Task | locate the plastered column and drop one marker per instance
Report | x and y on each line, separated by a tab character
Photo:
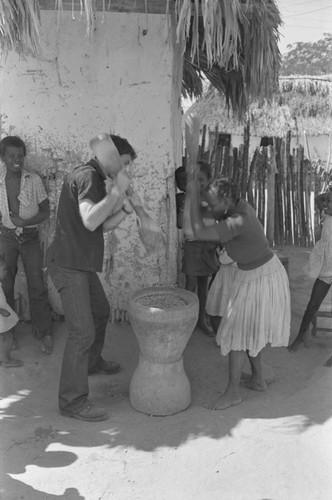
125	80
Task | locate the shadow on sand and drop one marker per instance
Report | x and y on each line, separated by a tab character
35	436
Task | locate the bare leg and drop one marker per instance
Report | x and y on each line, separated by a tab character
318	294
14	345
8	361
231	396
191	283
47	344
202	289
303	338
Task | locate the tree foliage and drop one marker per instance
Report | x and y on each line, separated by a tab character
308	58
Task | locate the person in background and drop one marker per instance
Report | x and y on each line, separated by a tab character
198	255
258	310
24	205
8	319
320	267
86	209
180	198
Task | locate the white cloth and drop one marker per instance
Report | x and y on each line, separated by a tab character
6	323
258	310
218	294
320	258
32	193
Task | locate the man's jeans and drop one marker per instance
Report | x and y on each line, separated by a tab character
87	312
318	294
28	246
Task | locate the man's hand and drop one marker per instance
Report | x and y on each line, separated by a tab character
122	181
127	206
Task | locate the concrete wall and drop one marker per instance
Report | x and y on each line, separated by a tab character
125	80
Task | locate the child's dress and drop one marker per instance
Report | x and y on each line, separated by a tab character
320	258
6	323
218	294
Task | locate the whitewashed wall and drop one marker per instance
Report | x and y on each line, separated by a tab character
125	80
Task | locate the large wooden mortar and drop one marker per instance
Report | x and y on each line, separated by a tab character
163	320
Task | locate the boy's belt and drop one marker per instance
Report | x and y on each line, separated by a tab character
22	230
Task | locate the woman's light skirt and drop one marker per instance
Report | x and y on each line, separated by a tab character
258	310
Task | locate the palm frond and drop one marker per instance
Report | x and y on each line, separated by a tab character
20	27
232	43
212	26
248	69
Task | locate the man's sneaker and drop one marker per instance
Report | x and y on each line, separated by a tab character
89	413
106	367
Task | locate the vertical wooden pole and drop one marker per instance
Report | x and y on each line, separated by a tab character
270	183
288	217
250	180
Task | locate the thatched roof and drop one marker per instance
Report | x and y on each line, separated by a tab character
253	73
233	43
302	103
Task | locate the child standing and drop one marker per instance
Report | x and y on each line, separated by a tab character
181	181
197	255
180	198
320	264
8	319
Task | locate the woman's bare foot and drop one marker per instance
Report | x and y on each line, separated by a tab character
228	399
12	363
206	329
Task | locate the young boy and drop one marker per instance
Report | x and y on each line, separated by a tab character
23	206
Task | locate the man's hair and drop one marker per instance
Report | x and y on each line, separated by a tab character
123	146
14	141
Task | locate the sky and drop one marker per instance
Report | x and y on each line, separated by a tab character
304	21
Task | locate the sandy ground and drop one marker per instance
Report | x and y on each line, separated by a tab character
276	445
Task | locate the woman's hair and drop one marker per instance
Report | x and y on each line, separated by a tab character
123	146
223	187
2	260
11	140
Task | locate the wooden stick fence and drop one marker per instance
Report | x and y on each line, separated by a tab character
279	183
